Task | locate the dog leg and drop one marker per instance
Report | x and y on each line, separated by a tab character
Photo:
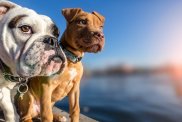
59	118
24	107
74	108
7	105
45	102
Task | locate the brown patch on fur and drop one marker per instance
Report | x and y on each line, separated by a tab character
15	20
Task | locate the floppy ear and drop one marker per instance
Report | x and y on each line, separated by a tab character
70	13
5	6
101	18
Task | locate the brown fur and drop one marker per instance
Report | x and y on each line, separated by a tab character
45	91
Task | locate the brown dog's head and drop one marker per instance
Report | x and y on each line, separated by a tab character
84	30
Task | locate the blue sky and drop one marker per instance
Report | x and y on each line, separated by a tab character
137	32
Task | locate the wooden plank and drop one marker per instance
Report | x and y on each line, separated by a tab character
83	118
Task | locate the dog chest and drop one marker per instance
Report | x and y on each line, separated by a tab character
66	85
72	73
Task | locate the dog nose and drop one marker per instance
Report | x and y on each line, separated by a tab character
98	34
51	41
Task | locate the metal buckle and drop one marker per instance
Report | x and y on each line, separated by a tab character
23	88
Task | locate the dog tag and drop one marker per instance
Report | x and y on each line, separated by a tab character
21	96
22	89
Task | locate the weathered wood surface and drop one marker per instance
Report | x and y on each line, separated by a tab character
83	118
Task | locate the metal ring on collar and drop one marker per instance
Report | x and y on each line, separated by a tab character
21	86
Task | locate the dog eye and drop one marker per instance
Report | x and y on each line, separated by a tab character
101	28
82	22
26	29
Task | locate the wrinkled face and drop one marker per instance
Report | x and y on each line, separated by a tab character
30	43
44	57
85	31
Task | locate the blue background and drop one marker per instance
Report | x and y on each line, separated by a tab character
137	32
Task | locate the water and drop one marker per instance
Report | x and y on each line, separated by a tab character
141	98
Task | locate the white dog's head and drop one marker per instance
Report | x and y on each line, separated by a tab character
28	42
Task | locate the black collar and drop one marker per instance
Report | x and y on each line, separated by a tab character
71	56
8	74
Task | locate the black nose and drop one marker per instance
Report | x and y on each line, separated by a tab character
51	41
98	34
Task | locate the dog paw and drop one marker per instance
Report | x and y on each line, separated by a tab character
63	119
59	118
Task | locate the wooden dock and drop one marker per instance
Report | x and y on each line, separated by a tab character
83	118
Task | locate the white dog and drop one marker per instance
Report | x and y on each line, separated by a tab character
28	47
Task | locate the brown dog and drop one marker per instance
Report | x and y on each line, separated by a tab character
84	33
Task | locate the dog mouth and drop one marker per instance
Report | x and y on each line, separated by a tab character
54	65
42	62
55	58
94	48
89	45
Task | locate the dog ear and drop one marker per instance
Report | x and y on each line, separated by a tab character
70	13
5	6
101	18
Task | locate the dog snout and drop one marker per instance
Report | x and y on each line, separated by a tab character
98	34
51	41
58	59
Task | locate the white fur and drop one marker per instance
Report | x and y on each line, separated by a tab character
6	104
72	73
63	119
12	50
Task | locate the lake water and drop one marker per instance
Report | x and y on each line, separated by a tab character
141	98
